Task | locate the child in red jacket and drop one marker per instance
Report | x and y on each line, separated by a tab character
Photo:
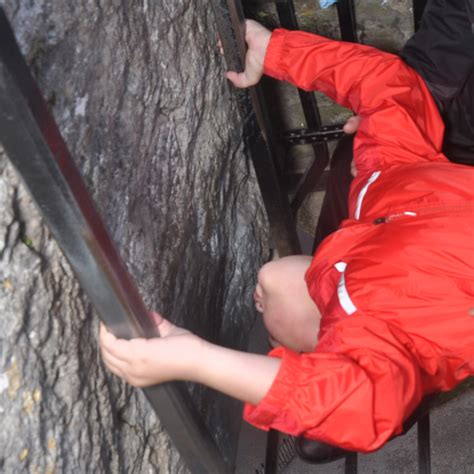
382	314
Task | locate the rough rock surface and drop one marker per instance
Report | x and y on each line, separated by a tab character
138	93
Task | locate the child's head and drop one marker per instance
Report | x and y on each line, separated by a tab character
289	314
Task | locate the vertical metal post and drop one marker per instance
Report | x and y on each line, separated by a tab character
287	16
271	452
350	465
347	20
424	449
258	134
35	147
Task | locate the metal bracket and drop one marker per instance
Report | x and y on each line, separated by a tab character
304	136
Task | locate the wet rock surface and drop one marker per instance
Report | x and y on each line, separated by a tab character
138	93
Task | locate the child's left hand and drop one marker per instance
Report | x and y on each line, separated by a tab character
257	38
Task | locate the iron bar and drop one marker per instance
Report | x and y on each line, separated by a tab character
350	464
258	134
348	28
424	451
287	16
271	452
347	20
35	147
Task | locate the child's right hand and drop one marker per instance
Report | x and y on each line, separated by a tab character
180	355
351	127
144	362
352	124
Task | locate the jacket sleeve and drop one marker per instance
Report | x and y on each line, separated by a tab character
400	121
356	398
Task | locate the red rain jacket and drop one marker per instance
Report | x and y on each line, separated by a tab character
395	284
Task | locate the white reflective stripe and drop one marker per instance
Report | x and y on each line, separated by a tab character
409	213
344	298
363	191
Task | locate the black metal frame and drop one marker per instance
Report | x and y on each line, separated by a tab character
424	444
287	16
35	147
347	20
264	149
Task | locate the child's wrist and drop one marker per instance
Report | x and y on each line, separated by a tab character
203	367
193	367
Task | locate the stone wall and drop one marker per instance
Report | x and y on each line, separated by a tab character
138	92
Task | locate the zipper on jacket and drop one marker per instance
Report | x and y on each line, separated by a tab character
391	217
421	212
